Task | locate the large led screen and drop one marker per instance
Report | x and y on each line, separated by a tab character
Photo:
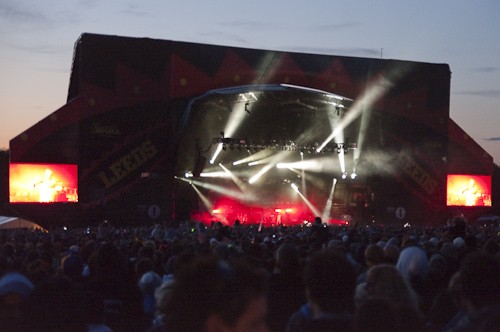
43	183
468	190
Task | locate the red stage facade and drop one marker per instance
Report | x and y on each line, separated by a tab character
165	131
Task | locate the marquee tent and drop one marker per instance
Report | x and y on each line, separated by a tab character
16	223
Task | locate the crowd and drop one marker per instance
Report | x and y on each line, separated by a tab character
194	277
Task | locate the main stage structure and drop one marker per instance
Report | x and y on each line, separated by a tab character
166	131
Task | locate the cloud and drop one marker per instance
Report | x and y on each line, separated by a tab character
135	10
246	24
88	4
486	69
36	48
333	27
492	139
18	21
479	93
13	12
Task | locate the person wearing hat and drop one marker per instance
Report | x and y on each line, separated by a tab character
15	289
148	283
73	264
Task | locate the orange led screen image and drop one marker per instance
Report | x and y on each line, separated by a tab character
43	183
468	190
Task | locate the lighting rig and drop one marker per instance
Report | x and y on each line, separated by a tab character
280	145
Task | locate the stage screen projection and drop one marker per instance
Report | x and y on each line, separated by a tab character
43	183
468	190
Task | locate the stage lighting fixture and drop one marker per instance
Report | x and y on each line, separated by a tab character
344	175
353	175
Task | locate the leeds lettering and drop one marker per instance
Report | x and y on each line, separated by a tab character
418	174
128	163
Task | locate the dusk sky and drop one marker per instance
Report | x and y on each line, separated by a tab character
37	39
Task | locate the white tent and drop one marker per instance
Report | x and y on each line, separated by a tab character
15	223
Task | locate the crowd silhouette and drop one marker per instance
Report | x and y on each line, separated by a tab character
195	277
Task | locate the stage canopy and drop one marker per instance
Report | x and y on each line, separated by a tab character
17	223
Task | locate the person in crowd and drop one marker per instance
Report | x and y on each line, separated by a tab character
211	294
330	281
391	253
319	234
451	254
148	283
377	315
73	265
143	265
479	293
56	305
105	230
373	255
385	282
162	299
286	291
413	263
114	296
446	308
15	291
443	264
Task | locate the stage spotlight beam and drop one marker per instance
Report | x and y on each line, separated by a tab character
237	194
304	184
342	161
262	171
206	202
329	203
216	153
272	163
262	154
371	95
214	175
311	207
324	164
235	179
